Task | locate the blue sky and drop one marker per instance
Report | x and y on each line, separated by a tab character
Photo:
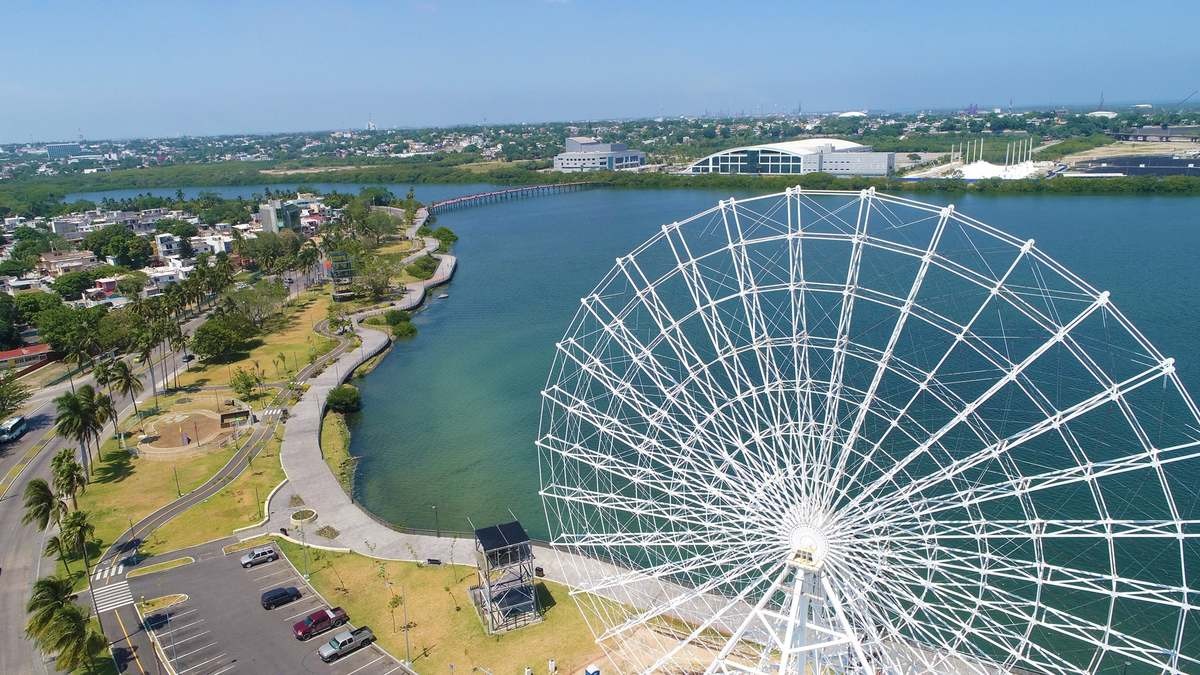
119	69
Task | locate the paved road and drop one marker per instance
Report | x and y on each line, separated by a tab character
21	561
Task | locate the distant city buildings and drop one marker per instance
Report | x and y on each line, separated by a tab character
827	155
584	153
63	150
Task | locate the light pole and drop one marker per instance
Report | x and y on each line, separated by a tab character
304	538
436	525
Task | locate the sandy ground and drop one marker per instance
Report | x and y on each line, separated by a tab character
311	169
1127	148
202	427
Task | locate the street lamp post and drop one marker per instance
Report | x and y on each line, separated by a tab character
437	526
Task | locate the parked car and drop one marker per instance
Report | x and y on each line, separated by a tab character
12	429
259	555
318	622
278	597
188	358
345	642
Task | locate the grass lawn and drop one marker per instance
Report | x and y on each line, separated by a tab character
160	567
238	504
335	448
445	628
399	249
126	489
290	335
161	602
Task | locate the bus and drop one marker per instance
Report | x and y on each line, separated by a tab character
12	429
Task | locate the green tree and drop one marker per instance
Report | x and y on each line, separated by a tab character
15	268
245	382
344	399
29	304
77	532
13	393
69	477
131	285
50	596
72	284
56	548
215	340
73	638
10	335
79	418
125	381
42	506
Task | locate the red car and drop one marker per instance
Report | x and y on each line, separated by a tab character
319	622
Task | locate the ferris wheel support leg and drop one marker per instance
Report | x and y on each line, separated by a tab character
840	612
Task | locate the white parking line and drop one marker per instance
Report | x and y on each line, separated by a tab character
228	667
180	672
279	583
176	615
194	651
377	658
398	666
190	637
272	574
306	612
176	630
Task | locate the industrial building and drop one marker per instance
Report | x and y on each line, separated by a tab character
829	155
588	154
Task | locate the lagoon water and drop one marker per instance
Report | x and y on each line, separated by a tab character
450	416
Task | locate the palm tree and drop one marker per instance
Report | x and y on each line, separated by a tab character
69	477
73	637
102	371
106	412
77	418
126	382
76	532
57	548
42	506
50	596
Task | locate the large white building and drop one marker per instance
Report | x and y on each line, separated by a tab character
584	153
829	155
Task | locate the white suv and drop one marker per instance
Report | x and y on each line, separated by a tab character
259	555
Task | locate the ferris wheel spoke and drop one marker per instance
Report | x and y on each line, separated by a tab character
706	309
730	564
1021	486
1049	423
1101	637
1041	573
885	358
642	506
991	391
695	594
951	604
682	484
670	330
707	624
933	372
643	359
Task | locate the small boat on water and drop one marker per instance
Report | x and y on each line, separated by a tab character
443	296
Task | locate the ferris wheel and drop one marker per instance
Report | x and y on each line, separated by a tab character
827	432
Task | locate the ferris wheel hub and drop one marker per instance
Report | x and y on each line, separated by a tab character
809	548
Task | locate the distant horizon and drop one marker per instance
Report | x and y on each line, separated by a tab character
139	70
984	108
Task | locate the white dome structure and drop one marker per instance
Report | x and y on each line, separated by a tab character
807	155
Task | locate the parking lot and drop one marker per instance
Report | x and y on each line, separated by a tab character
222	628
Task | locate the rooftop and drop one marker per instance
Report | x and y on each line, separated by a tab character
501	536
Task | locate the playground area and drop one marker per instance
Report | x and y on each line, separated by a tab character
183	432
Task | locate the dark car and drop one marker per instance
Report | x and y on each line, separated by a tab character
277	597
319	622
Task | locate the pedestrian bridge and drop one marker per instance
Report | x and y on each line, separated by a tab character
481	198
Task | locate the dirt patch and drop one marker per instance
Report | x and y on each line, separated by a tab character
194	430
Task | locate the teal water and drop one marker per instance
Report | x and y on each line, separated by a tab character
450	417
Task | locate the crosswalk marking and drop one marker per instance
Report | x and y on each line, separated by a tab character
113	570
272	412
112	596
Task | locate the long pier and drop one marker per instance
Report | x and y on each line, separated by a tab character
481	198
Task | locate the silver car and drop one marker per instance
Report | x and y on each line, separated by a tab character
258	555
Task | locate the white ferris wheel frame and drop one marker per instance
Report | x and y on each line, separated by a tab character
800	611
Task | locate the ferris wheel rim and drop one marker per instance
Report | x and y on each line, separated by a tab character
628	269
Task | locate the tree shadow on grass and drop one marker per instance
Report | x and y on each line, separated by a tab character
116	467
